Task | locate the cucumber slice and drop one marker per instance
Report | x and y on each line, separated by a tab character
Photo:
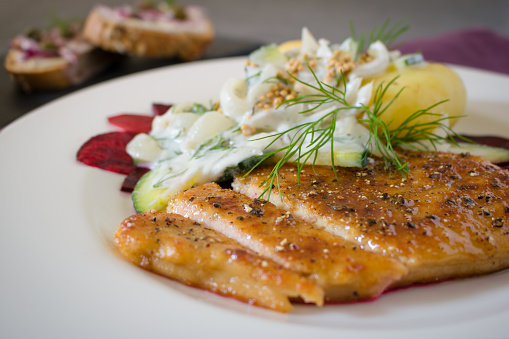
492	154
146	197
269	54
408	60
346	154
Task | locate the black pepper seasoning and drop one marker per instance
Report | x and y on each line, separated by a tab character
498	223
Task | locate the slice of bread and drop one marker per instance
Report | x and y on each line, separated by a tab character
185	38
54	58
53	73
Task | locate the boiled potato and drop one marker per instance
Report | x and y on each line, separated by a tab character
290	45
423	87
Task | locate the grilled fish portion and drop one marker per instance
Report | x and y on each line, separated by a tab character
181	249
449	218
337	265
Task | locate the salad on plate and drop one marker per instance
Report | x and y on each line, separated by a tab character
334	160
308	102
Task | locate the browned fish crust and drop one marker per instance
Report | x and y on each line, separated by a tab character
448	219
335	264
181	249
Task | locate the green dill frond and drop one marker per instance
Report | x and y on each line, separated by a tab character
387	34
305	140
410	134
257	74
217	142
168	176
278	79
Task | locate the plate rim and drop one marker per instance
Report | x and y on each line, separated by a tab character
281	324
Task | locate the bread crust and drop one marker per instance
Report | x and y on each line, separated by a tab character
128	37
54	73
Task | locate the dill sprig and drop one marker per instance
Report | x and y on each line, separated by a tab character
306	139
386	34
381	139
410	134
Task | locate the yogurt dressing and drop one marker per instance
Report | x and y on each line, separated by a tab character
193	144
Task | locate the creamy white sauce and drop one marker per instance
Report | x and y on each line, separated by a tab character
188	149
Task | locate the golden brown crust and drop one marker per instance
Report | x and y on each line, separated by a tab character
123	37
344	272
448	219
183	250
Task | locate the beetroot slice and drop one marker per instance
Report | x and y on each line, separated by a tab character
132	179
107	152
504	165
132	122
160	109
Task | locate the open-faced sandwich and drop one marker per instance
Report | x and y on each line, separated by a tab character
69	53
54	58
341	178
150	29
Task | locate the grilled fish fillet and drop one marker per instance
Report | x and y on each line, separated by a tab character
337	265
181	249
449	218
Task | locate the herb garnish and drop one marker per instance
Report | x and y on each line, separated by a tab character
384	34
307	138
168	176
66	27
410	134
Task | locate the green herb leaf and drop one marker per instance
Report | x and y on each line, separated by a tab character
199	109
307	138
386	34
66	27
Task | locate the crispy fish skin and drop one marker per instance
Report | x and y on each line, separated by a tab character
343	271
448	219
181	249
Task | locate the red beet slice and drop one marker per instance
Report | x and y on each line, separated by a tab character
132	179
504	165
107	152
132	122
160	109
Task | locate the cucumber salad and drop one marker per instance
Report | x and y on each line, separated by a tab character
260	116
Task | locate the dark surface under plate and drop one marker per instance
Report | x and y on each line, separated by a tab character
14	102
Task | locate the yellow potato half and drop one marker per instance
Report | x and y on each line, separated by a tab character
423	87
290	45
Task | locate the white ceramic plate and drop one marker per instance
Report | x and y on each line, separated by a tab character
60	276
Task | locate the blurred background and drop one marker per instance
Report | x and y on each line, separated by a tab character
280	20
243	25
